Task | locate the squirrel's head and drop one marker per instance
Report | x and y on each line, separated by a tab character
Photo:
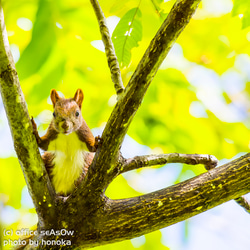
67	112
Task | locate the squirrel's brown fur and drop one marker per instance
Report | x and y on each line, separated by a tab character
66	143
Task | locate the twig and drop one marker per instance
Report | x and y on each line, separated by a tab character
109	48
243	202
152	160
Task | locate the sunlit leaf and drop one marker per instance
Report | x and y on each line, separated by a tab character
246	19
241	7
126	35
157	7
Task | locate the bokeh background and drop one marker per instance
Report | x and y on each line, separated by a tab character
197	103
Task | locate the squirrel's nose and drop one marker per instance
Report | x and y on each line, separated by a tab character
65	125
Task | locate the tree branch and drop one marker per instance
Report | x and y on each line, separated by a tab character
128	218
24	141
244	203
241	201
152	160
117	220
209	161
104	166
109	48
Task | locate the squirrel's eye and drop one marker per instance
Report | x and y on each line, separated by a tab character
54	114
77	113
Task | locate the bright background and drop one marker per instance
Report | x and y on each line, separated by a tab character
197	103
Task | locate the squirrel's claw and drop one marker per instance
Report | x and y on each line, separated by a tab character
34	126
33	123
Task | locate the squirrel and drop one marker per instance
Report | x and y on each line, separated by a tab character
67	143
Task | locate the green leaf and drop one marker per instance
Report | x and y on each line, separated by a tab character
246	19
242	7
159	11
42	42
126	35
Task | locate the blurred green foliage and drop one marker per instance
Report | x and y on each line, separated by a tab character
53	45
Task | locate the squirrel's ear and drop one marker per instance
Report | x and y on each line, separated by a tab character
54	97
79	97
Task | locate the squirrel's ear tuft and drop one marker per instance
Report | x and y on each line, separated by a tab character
79	97
54	97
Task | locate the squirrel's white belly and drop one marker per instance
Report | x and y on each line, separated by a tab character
68	163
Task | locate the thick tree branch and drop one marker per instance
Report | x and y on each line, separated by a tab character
209	161
109	48
241	201
24	142
133	217
104	166
152	160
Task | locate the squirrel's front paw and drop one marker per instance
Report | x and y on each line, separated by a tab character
33	125
98	141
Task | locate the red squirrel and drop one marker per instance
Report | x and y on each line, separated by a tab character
66	143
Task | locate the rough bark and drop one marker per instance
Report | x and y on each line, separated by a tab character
24	142
117	220
152	160
127	218
95	218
